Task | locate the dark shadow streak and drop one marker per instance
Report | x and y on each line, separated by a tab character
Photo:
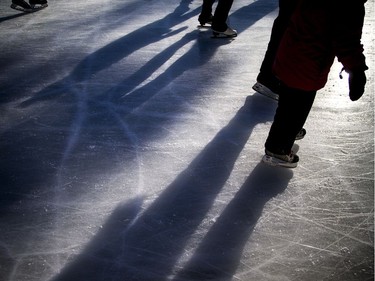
207	49
219	254
129	98
13	17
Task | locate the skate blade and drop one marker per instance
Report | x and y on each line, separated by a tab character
222	35
261	89
203	26
275	162
37	7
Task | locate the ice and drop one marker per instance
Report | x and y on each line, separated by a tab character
131	145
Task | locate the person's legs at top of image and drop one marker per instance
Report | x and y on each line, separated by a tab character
267	84
206	16
293	109
219	22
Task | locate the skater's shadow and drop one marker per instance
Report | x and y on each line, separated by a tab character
127	96
219	254
146	246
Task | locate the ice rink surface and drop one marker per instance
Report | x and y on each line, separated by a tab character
131	146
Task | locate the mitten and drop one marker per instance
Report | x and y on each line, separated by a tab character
357	82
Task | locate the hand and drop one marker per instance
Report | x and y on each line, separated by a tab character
357	82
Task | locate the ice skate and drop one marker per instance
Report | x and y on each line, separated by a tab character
21	5
281	160
228	33
38	4
264	90
267	85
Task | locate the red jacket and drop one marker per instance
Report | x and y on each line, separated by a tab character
319	31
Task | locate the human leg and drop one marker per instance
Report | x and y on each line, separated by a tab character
219	22
293	109
267	84
206	12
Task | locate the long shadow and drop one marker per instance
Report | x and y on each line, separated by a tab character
219	254
147	246
130	96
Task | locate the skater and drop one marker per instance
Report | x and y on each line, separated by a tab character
318	32
267	84
218	21
23	6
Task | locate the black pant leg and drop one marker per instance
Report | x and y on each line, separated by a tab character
291	114
206	9
221	15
